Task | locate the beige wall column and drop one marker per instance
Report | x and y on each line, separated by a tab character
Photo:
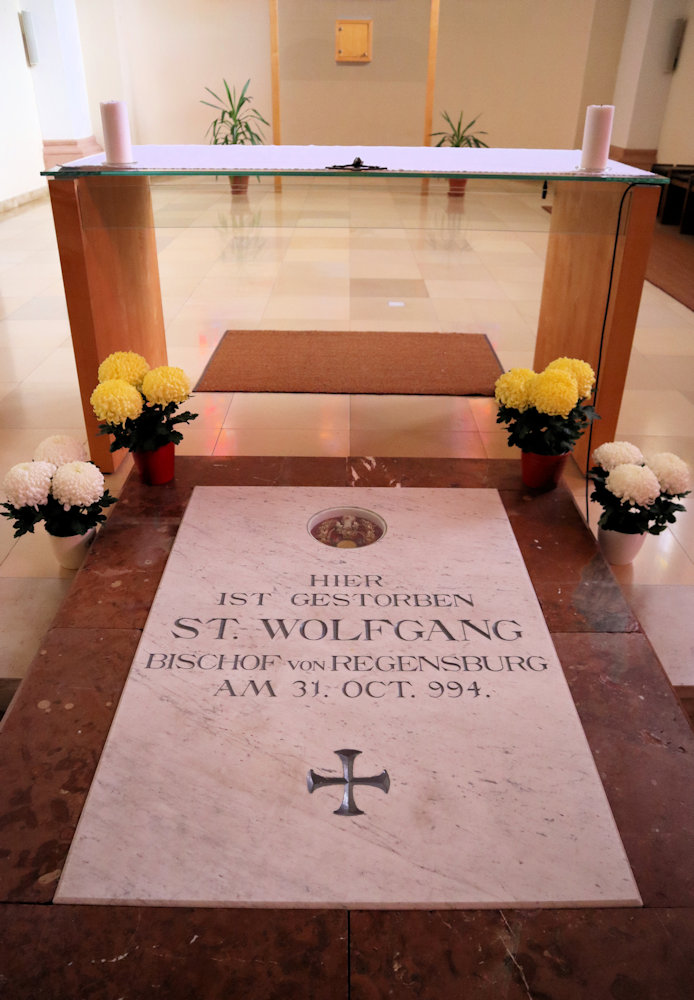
643	80
434	12
275	76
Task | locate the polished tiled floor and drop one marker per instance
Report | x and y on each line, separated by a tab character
360	255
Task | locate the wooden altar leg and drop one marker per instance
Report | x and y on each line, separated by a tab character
108	256
577	287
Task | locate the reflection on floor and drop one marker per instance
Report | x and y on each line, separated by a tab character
352	255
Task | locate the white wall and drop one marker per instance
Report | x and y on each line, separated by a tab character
21	157
603	57
521	63
644	80
677	133
159	55
517	63
104	56
58	77
529	67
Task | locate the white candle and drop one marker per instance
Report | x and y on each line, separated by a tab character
114	118
596	136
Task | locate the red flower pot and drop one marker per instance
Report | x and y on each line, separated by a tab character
542	472
456	187
156	467
239	183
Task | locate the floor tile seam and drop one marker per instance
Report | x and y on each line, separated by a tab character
6	901
429	439
4	559
126	520
222	426
677	397
19	580
286	426
594	631
639	630
684	551
37	359
638	636
187	299
215	397
72	632
38	660
678	533
628	597
125	629
322	293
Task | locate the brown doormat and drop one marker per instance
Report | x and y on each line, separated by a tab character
429	364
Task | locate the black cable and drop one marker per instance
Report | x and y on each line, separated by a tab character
631	185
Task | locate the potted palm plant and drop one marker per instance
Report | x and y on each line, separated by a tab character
461	136
236	124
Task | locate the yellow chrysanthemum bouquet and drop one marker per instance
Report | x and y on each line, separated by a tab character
546	412
137	404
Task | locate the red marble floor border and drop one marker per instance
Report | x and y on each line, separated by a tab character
522	955
52	736
643	747
50	743
114	953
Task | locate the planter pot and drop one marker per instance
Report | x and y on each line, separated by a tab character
239	184
542	472
619	548
70	550
456	187
155	467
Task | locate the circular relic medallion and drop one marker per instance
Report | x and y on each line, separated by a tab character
347	527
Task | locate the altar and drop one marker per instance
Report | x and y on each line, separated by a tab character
601	228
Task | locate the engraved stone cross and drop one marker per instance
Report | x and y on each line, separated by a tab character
348	806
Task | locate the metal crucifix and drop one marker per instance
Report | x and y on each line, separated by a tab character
348	806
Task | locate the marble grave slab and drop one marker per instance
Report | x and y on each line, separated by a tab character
346	698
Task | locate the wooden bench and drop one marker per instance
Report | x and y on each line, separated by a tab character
676	200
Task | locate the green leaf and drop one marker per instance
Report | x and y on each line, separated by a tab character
153	428
233	124
459	135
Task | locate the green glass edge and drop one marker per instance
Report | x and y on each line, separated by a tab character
72	173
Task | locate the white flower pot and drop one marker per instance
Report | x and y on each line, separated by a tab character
70	550
619	548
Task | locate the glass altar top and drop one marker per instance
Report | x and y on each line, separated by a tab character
366	161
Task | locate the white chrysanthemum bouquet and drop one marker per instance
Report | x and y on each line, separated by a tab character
137	404
59	488
638	495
